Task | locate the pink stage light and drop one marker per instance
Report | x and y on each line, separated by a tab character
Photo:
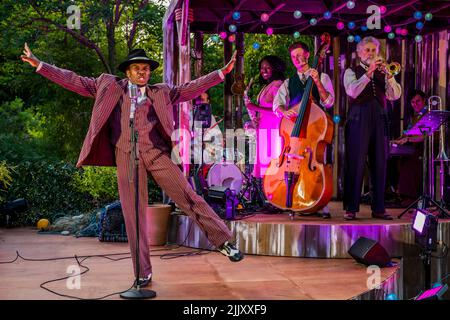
269	31
223	35
387	29
340	25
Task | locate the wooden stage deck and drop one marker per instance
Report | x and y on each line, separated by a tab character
210	276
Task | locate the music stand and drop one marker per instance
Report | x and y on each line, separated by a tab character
425	126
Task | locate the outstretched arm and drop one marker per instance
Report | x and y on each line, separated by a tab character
84	86
192	89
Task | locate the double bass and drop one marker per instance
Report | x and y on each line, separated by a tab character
299	179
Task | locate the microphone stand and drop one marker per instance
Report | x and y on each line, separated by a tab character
136	292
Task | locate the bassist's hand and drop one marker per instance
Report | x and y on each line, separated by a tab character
291	113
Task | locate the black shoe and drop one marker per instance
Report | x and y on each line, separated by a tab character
349	215
326	215
144	282
228	249
381	215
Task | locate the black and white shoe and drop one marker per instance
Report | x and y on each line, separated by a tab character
144	282
229	250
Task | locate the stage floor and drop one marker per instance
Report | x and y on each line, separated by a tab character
209	276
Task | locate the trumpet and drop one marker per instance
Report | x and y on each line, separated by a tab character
392	68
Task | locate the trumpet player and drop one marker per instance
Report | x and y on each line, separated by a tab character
368	86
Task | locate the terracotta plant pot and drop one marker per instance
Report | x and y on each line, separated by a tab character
157	220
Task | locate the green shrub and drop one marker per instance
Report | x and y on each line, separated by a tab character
48	189
55	189
5	179
99	182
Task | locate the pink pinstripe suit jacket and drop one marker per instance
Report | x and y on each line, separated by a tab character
107	90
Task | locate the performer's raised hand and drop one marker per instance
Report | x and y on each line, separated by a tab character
230	65
29	57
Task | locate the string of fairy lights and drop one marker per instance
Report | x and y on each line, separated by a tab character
354	29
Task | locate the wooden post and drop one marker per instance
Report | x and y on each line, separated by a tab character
337	165
198	51
227	95
239	69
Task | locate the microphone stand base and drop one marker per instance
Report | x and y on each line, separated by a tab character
135	293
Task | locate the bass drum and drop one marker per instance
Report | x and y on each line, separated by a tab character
222	174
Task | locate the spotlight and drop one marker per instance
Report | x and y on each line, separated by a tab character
425	227
10	210
432	294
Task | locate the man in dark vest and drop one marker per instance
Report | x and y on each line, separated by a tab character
366	129
287	101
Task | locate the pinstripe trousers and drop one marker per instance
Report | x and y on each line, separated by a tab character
170	178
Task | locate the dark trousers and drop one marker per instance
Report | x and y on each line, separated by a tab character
366	135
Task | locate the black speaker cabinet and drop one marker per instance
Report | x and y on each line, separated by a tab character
369	252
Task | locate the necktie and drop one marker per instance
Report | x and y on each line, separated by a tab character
303	78
141	97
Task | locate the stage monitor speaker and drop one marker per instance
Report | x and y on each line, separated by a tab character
369	252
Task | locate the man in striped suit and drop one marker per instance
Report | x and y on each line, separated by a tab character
107	143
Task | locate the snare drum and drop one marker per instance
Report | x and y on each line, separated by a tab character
222	174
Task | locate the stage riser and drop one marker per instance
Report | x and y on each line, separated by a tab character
303	240
393	284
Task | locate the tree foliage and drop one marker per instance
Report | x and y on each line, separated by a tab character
42	126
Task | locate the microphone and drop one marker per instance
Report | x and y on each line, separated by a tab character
133	93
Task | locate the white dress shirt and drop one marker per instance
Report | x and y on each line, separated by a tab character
282	97
354	87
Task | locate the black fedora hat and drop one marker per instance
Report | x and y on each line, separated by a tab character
138	56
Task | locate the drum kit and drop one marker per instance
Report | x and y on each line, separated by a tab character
234	175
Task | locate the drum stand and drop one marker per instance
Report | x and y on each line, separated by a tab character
256	195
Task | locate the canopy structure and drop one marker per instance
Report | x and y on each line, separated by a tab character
213	16
414	33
